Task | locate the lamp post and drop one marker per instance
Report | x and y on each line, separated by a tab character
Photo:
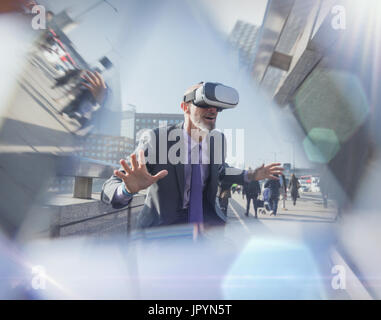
94	6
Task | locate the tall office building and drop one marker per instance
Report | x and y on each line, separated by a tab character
127	123
105	148
286	33
244	39
155	120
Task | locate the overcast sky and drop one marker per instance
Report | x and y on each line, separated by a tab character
162	47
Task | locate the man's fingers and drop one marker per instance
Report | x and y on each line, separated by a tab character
89	80
274	168
272	165
93	78
125	166
142	159
88	86
100	79
160	175
134	162
119	174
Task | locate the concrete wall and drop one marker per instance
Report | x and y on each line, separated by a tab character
78	217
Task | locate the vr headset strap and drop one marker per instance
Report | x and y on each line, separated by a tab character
190	96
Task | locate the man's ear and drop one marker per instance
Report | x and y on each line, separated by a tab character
185	106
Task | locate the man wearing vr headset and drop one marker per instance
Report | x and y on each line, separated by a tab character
184	192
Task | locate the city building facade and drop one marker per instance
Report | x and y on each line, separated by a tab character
243	38
155	120
104	148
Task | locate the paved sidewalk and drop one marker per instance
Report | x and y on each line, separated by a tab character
307	225
308	208
292	221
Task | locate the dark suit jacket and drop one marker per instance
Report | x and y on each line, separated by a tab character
164	201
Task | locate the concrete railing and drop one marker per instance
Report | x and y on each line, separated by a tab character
84	213
83	170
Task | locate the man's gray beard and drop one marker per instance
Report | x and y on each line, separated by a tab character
200	125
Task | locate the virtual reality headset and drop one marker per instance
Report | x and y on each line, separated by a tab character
212	94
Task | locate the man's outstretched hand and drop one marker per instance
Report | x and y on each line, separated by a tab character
266	172
137	177
96	85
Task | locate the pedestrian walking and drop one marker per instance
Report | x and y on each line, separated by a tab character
274	186
252	190
294	186
224	193
266	200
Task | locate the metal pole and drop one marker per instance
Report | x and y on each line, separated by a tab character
94	6
115	9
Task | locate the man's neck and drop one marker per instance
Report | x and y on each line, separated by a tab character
194	132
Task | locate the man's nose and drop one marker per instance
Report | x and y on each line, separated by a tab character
212	109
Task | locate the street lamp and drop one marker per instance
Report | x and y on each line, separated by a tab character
96	5
115	9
